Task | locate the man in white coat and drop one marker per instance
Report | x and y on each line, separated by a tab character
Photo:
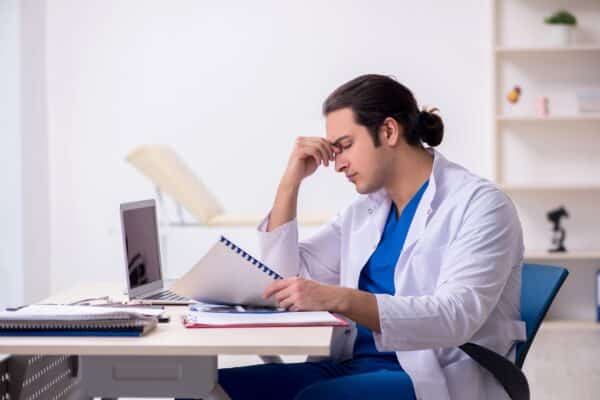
427	258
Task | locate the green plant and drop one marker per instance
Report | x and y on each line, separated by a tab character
561	17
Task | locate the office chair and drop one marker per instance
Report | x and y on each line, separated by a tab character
540	284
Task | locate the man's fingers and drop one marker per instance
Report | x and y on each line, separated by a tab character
275	287
329	148
314	153
325	148
286	303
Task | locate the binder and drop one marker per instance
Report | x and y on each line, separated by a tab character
48	320
227	274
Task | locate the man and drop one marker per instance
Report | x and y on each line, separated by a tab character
427	258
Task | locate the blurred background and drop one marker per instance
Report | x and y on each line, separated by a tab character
228	85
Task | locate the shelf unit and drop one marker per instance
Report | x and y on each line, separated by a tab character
502	50
535	158
568	326
592	117
566	256
549	188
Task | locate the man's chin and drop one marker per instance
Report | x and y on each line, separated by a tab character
363	190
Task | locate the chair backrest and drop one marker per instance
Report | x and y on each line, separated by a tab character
540	284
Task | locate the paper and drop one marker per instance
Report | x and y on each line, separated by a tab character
46	312
227	275
285	318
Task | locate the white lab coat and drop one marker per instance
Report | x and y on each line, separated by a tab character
457	280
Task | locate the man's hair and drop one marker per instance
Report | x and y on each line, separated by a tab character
373	98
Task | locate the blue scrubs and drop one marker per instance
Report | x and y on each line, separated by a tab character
369	374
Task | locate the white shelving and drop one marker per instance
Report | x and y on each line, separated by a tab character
543	161
566	256
570	325
549	188
592	117
547	49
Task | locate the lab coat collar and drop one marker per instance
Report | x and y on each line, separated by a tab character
381	201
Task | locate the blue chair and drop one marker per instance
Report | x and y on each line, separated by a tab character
540	284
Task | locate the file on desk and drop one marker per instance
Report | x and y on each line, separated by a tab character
61	320
249	319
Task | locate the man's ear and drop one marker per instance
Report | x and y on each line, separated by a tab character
390	132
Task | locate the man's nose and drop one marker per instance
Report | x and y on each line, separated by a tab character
340	163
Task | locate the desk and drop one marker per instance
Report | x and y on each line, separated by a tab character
169	361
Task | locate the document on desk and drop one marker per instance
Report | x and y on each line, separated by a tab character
227	275
208	319
65	320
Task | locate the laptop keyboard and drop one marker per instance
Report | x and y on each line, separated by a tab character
167	295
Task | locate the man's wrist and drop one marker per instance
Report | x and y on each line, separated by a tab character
342	301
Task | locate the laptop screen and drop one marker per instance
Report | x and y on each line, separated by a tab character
142	252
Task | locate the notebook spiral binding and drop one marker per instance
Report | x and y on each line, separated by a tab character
251	259
71	324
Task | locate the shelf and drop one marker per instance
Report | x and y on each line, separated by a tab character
571	255
551	118
570	326
548	50
549	188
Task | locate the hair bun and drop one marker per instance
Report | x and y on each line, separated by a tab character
429	127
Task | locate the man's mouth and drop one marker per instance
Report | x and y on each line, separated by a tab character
351	176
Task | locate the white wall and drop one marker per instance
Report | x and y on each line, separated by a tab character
11	261
34	151
229	85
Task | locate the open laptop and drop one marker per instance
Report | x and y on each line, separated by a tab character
142	255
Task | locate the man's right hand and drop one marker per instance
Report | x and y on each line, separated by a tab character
308	153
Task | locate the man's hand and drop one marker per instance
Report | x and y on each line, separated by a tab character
308	153
298	294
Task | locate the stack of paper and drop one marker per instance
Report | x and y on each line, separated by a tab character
264	318
65	320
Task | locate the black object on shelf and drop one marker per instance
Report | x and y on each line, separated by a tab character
558	232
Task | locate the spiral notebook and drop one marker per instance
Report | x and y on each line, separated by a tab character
60	320
227	274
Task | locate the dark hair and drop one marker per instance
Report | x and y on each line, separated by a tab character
373	98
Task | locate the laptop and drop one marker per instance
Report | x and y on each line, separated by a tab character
142	255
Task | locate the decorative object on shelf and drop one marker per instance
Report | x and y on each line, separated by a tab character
588	100
514	94
542	106
558	232
562	24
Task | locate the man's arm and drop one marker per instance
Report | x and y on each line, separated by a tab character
308	153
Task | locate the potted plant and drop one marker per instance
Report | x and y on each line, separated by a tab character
562	24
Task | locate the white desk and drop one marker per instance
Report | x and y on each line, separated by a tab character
159	364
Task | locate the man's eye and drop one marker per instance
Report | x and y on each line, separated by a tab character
345	147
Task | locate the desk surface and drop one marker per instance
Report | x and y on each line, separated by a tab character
173	338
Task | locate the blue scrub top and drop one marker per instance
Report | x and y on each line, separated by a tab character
377	276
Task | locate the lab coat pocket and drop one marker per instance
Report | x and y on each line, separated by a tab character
425	268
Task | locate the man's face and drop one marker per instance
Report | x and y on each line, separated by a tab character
358	159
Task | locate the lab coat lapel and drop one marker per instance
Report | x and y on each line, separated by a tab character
367	237
424	210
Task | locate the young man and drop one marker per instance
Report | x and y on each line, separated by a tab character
427	258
